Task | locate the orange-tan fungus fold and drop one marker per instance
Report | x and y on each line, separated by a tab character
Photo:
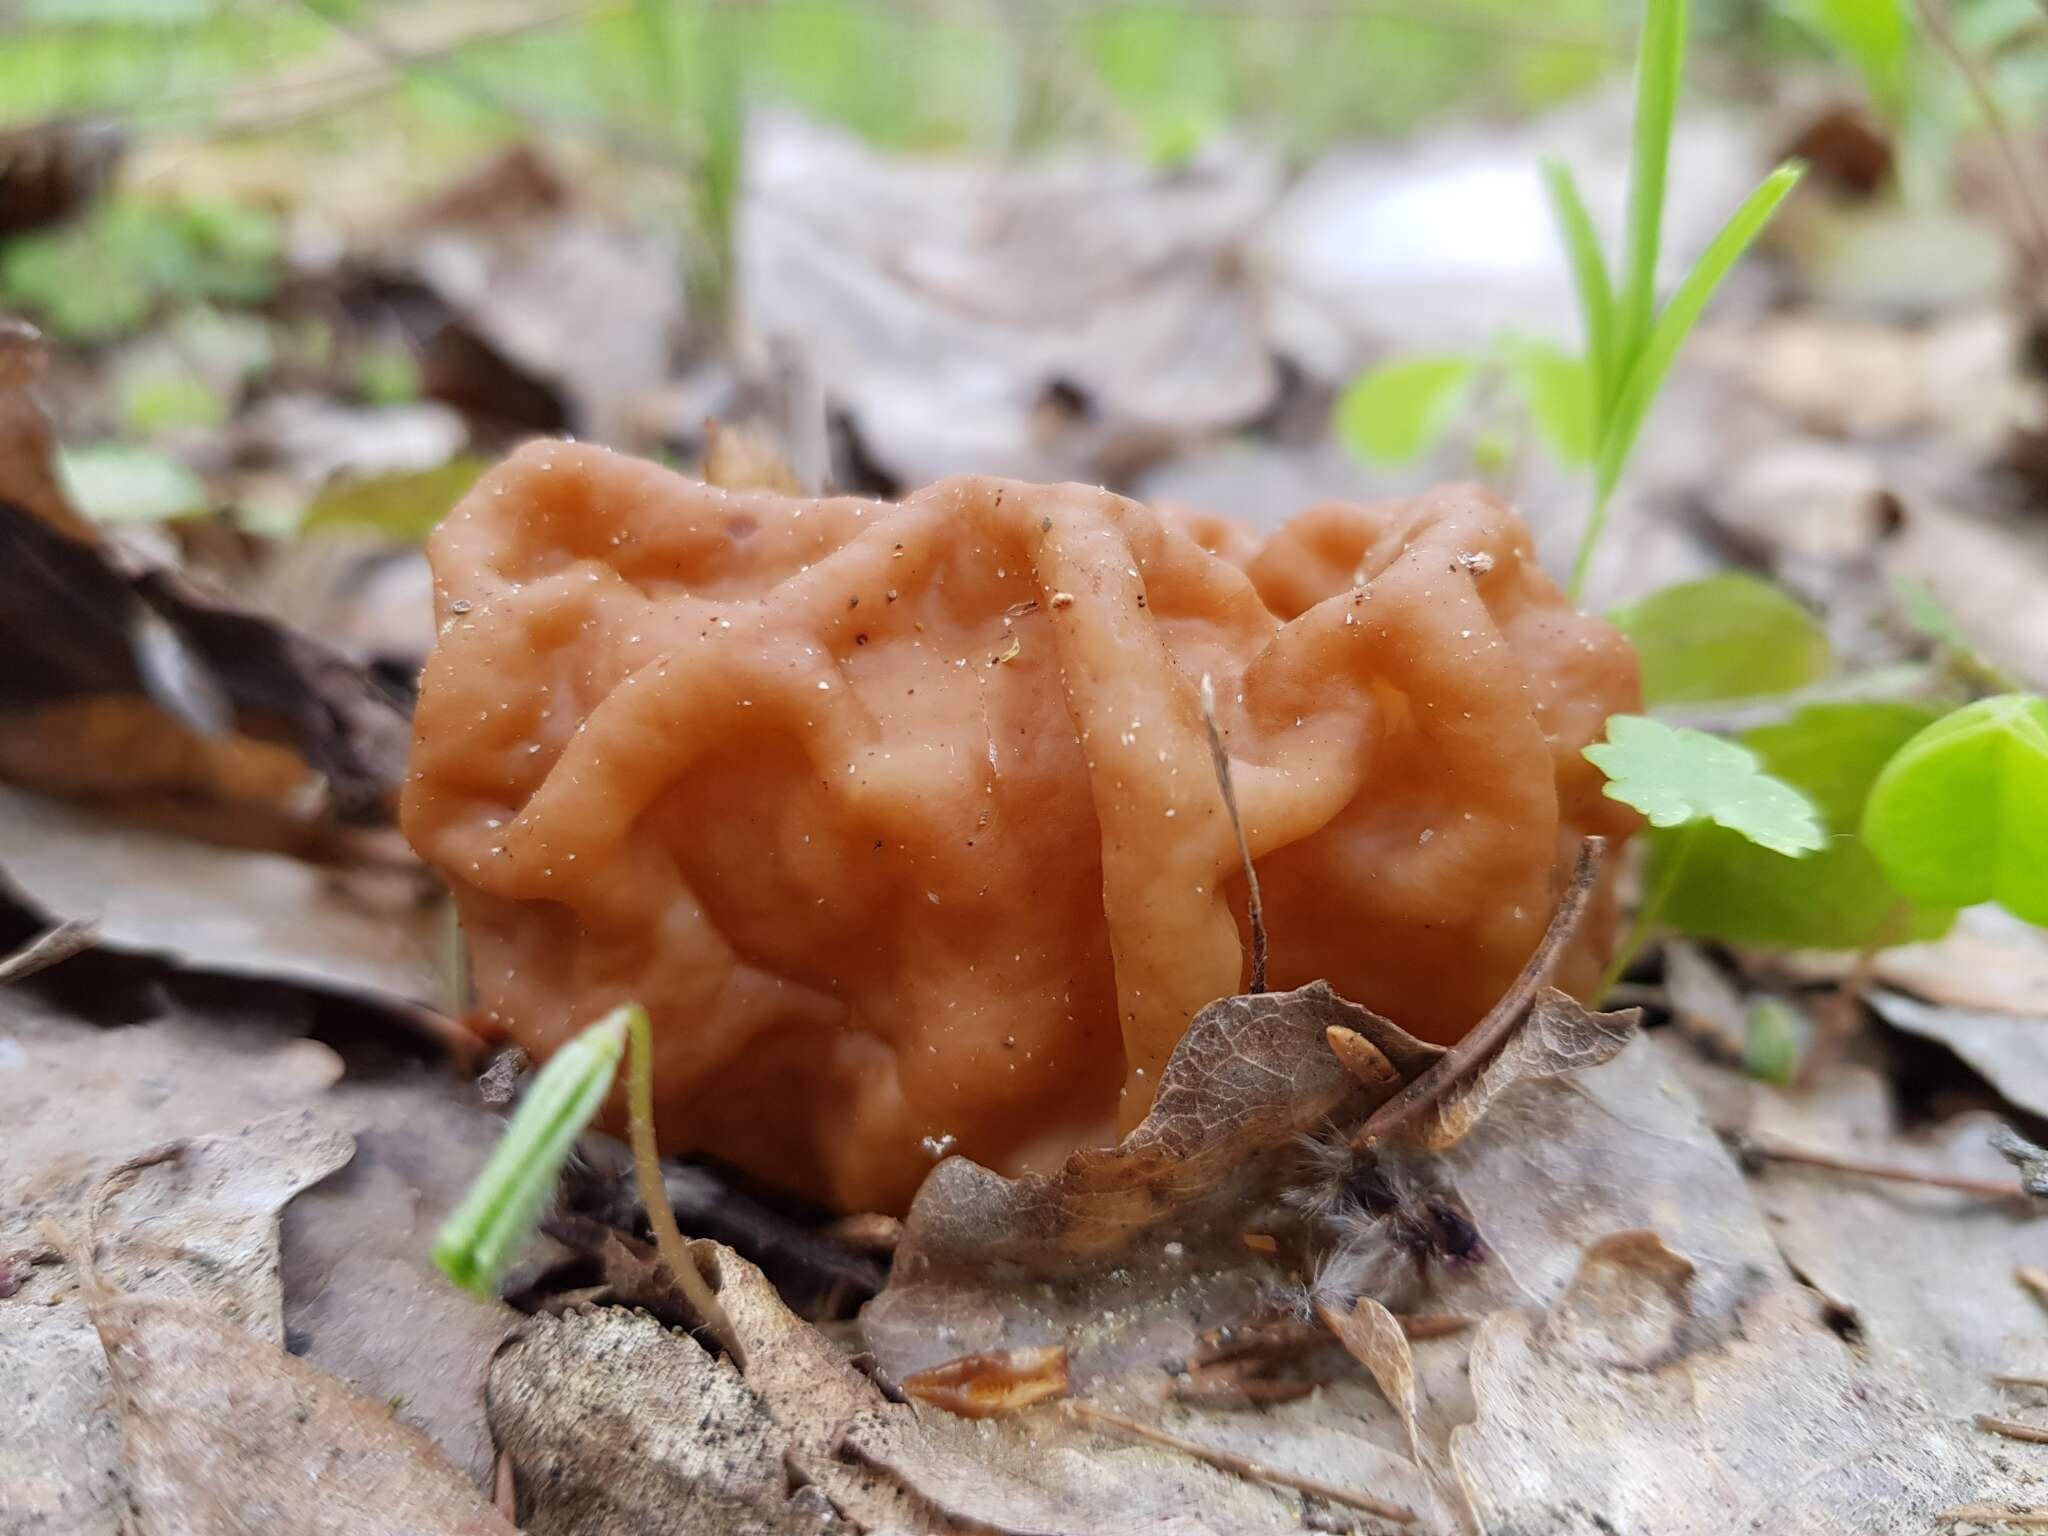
901	820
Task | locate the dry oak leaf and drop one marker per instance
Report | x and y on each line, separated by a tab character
228	1435
1624	1407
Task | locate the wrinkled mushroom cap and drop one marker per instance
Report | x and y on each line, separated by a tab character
900	818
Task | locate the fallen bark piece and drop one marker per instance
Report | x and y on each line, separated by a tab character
616	1427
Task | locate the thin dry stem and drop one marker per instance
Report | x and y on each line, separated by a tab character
1244	1466
505	1491
1999	1514
2013	1429
45	950
1771	1149
1244	851
668	1238
2005	1379
1486	1038
2025	192
2035	1280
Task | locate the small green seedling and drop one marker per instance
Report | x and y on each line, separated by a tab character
1685	779
1928	614
1399	411
503	1206
1960	813
1395	413
1630	344
1773	1048
1731	636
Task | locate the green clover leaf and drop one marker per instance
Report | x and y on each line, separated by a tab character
1675	775
1960	813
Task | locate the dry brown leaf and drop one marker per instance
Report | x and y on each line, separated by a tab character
549	299
362	1298
1051	321
1557	1163
984	1386
889	1469
1989	961
2009	1050
362	933
196	1222
1140	1240
1560	1037
1374	1337
215	705
1252	1074
1927	1273
227	1434
1626	1406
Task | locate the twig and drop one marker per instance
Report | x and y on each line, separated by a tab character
505	1493
2006	1380
2035	1280
2013	1429
1244	1466
1771	1149
47	949
1998	1514
1506	1016
1936	25
1244	852
668	1239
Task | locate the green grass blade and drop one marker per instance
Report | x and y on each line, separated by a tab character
1646	376
1589	281
485	1232
1660	60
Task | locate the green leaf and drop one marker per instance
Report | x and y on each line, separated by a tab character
1728	888
1589	280
104	275
1960	814
1876	36
118	483
1660	62
1675	776
1395	413
1645	372
387	377
406	507
164	399
1559	390
1772	1050
1928	614
501	1209
1731	636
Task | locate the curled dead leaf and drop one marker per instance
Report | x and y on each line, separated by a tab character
1250	1076
1374	1337
985	1385
127	681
